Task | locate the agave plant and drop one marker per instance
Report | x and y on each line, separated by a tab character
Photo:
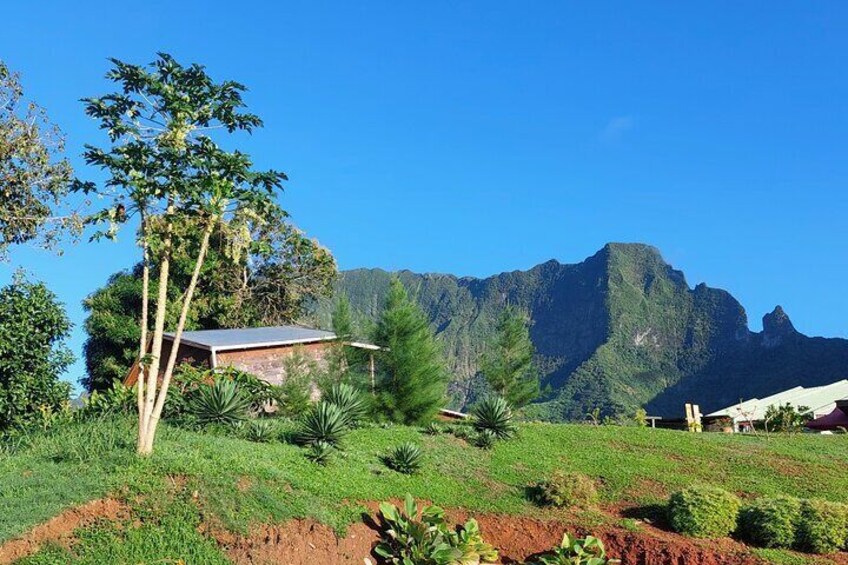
324	422
349	401
320	452
433	429
220	403
405	458
485	439
259	431
495	415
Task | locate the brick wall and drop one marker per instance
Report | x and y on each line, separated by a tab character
268	363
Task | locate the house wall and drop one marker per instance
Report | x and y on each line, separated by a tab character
268	363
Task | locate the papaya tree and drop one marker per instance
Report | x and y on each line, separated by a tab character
167	171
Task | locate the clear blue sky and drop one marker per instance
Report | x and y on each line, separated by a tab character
478	137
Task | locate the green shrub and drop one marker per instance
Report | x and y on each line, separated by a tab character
495	415
422	537
320	452
574	551
219	403
485	439
703	512
566	489
823	526
405	458
324	422
460	431
770	522
349	401
260	431
120	399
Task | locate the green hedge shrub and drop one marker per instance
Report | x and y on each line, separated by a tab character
771	522
703	512
823	526
565	489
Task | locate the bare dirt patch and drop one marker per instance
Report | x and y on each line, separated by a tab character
517	538
60	529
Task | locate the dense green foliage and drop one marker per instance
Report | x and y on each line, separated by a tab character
575	551
422	537
412	383
33	355
823	526
494	415
619	331
703	512
566	489
771	521
507	364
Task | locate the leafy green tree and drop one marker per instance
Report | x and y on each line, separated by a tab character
413	381
274	283
33	329
508	362
34	178
786	417
342	319
164	165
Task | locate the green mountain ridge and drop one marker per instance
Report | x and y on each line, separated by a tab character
620	330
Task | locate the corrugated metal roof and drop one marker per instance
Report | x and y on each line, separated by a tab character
249	338
820	400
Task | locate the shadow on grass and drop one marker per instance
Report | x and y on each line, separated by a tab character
654	514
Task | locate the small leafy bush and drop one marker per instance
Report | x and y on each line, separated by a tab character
566	489
495	415
324	422
120	399
349	401
460	431
219	403
485	439
703	512
405	458
770	522
823	526
422	537
575	551
260	431
320	452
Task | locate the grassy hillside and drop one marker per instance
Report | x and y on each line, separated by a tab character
233	484
620	330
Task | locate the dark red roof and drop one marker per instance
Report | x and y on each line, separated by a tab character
836	419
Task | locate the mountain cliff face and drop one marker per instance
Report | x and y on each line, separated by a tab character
620	330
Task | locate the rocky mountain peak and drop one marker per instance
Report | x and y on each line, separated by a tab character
776	326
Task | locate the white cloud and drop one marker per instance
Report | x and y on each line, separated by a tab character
616	128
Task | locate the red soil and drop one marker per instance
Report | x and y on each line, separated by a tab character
60	529
517	538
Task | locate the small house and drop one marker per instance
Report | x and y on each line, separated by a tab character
259	351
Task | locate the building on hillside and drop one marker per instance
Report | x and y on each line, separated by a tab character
819	400
260	351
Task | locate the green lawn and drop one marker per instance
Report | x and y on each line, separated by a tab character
238	482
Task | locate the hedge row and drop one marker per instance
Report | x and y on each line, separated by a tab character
816	526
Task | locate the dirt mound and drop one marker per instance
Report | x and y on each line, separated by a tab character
517	538
60	528
300	542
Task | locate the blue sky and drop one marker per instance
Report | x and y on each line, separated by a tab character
479	137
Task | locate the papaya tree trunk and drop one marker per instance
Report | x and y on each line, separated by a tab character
142	348
158	334
175	345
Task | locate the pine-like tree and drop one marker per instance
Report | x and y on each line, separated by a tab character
508	362
413	380
342	319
